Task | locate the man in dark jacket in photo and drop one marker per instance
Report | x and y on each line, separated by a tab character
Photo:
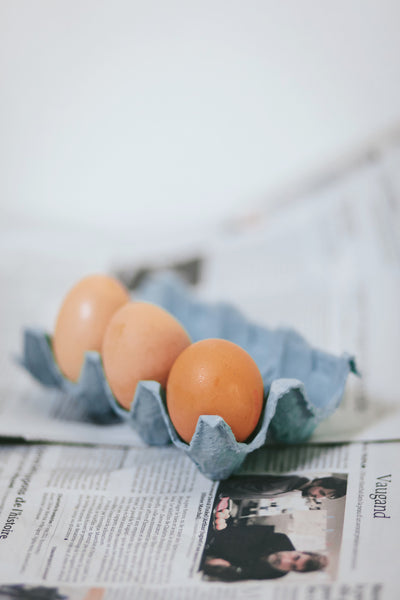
255	553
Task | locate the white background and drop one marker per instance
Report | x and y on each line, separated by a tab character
142	115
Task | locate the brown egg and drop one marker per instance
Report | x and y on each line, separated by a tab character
215	377
141	342
83	318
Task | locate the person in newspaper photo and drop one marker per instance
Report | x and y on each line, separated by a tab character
30	592
256	552
275	485
246	496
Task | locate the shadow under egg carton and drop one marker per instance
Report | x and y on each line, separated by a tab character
303	386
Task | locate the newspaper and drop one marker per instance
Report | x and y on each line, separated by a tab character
329	265
101	522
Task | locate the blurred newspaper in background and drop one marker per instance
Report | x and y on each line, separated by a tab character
328	264
121	520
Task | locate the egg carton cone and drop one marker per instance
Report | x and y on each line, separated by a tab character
303	385
95	396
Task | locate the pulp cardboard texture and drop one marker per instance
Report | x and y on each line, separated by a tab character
303	385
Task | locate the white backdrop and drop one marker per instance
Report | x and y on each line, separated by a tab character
130	114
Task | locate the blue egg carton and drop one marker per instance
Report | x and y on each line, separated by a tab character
303	385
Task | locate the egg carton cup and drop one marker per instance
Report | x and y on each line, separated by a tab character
303	385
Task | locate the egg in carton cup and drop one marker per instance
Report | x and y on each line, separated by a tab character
302	385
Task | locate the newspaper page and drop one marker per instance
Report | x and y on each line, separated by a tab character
299	523
329	266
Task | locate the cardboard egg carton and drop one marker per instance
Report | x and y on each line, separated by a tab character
303	385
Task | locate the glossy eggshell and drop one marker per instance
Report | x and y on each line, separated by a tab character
215	377
142	342
82	320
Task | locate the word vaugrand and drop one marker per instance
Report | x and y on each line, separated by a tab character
380	497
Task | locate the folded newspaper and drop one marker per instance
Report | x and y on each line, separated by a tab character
303	385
